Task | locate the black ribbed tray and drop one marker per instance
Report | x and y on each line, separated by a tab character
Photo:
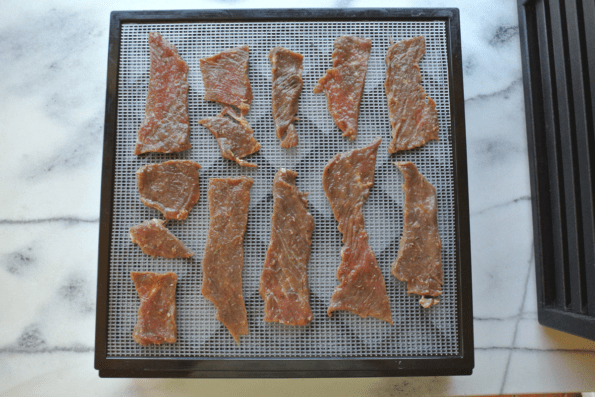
558	53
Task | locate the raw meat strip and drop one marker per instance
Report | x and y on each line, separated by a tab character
165	128
419	261
412	113
156	322
347	180
344	83
225	77
170	187
154	239
284	279
223	258
234	136
287	87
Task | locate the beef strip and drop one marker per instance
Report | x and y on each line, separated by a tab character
287	87
347	180
225	77
165	128
234	136
156	322
419	261
154	239
344	83
223	258
170	187
284	279
412	113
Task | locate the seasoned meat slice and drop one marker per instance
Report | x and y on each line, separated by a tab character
344	83
154	239
165	128
234	136
284	279
170	187
223	258
347	180
419	261
287	87
225	77
156	322
412	113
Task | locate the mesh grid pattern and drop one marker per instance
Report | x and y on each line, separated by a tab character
416	331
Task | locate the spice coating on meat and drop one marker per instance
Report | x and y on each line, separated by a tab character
287	87
347	180
344	83
234	136
419	261
284	279
412	113
154	239
165	128
225	77
156	323
170	187
223	258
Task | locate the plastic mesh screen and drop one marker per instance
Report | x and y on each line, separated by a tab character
416	331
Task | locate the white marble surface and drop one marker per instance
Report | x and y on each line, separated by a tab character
52	95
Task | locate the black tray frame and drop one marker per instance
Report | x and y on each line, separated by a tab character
461	364
558	59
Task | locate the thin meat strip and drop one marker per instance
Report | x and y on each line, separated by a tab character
156	323
225	77
412	112
284	279
344	83
347	180
154	239
234	136
419	261
166	127
287	87
223	258
170	187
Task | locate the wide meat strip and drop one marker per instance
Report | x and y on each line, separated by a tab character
412	112
170	187
165	128
156	322
347	180
284	279
234	136
287	87
344	83
225	77
154	239
419	261
223	258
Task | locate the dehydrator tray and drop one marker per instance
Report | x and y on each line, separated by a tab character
435	341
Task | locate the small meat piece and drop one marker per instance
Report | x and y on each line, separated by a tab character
225	77
284	279
287	87
154	239
344	83
412	113
170	187
223	258
347	180
157	312
234	136
419	261
165	128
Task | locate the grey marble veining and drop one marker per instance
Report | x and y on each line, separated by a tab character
53	67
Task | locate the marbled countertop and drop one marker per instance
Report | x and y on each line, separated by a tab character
52	95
